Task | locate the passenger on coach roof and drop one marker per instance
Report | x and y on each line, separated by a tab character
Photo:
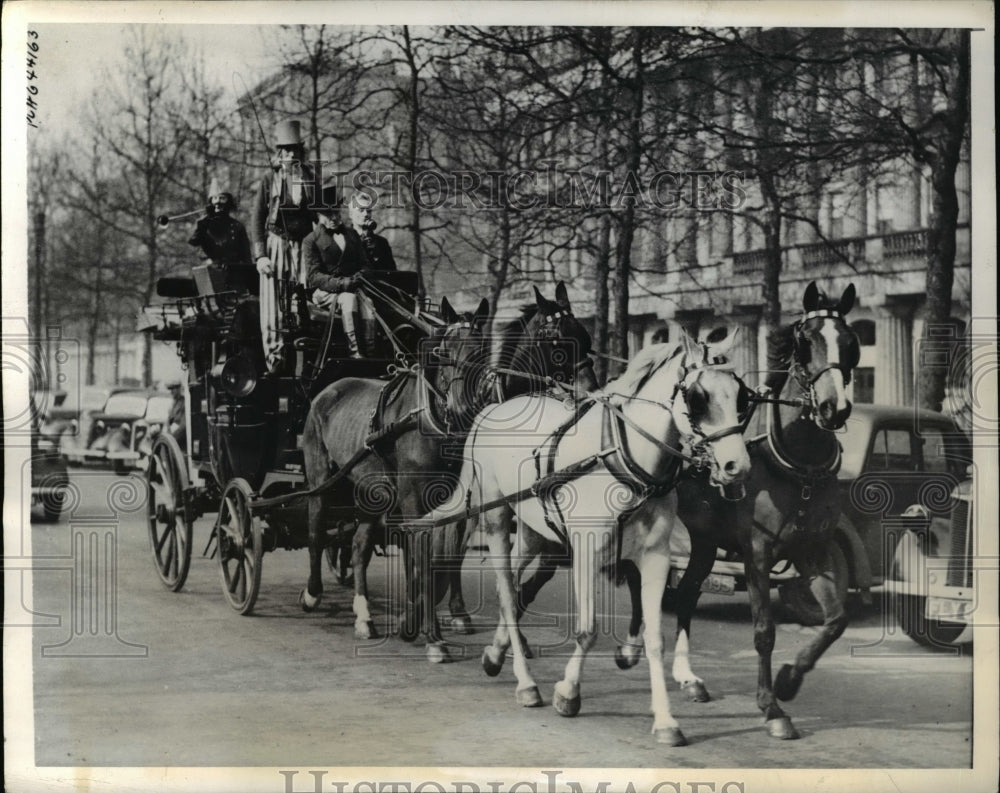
335	257
378	248
281	221
223	241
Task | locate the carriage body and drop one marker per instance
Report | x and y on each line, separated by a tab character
239	453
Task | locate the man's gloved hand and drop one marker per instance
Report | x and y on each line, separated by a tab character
264	266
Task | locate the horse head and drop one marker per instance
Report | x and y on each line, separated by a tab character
557	345
824	352
459	357
711	406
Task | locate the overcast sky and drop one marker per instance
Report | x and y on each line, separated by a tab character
73	57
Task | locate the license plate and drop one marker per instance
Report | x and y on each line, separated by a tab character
714	583
948	609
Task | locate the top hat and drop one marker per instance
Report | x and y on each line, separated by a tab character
330	205
288	133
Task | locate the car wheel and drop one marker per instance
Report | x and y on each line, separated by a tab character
798	599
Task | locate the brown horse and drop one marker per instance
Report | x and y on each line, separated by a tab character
406	423
791	508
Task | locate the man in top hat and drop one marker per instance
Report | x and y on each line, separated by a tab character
281	220
379	251
224	242
335	256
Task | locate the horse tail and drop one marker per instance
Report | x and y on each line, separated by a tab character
314	449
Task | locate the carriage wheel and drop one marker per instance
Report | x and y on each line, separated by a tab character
241	546
167	514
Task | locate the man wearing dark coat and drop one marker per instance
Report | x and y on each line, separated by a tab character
224	242
335	256
377	246
281	220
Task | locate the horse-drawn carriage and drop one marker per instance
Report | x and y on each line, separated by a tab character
240	454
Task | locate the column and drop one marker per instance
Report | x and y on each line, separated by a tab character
744	350
894	356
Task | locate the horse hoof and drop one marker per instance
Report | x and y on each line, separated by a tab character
308	602
671	736
365	630
437	654
461	625
782	729
695	691
492	666
529	697
625	660
565	706
786	684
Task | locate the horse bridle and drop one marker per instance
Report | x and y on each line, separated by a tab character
806	380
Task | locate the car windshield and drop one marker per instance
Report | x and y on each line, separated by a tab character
159	409
130	404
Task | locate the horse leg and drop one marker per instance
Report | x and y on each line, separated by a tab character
534	547
361	554
654	564
627	655
566	697
426	547
688	591
498	538
311	596
454	551
824	589
758	575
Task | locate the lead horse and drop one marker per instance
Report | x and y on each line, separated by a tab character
791	507
572	475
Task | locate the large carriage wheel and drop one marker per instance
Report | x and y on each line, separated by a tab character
167	514
241	546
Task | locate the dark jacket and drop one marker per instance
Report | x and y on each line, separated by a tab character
275	212
223	239
328	266
379	252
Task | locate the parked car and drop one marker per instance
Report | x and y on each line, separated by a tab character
49	475
932	582
118	432
892	457
73	422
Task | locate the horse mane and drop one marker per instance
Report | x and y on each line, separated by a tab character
780	347
647	361
511	332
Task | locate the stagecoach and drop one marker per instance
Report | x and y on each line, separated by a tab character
239	454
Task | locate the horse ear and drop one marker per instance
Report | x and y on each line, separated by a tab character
539	300
562	298
692	349
482	313
810	302
447	312
847	300
721	340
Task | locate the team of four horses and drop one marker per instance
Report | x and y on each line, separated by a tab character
515	433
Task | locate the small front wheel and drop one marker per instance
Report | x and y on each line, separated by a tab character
241	546
168	515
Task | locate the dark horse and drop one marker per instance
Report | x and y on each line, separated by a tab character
544	349
406	424
791	507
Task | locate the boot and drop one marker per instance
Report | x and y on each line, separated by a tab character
352	344
352	336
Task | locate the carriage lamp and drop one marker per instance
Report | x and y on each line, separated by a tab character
236	376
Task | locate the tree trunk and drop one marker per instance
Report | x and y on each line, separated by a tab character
414	116
602	301
943	226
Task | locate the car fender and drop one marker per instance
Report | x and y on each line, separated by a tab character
856	552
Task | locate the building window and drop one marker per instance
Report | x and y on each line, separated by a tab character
863	380
865	330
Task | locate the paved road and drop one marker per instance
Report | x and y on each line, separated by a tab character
181	680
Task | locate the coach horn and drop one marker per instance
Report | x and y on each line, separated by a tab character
164	220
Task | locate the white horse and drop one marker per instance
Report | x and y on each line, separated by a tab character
606	457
